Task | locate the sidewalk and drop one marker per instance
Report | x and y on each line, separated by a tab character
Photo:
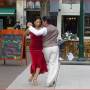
70	77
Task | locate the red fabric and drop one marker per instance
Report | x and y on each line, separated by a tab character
36	42
37	55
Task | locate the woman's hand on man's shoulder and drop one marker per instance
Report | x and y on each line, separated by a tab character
29	24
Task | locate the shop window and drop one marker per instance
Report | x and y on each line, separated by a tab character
33	4
87	26
70	24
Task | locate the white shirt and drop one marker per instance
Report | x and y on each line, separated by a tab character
42	31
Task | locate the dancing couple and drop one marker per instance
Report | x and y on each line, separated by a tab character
44	50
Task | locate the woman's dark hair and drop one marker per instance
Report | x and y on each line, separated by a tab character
34	19
47	18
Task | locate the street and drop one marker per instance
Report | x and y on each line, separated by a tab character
70	77
14	76
10	71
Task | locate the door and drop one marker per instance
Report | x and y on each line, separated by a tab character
1	23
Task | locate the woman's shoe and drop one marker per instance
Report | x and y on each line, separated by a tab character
30	79
35	83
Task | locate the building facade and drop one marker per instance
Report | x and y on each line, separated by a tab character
65	13
68	18
21	10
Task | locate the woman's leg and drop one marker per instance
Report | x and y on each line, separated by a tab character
36	76
31	77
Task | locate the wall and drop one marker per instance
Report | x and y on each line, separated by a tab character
67	9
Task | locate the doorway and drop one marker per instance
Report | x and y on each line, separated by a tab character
71	24
1	23
7	21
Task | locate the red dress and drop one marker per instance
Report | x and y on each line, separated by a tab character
37	55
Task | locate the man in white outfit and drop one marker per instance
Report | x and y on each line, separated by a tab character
51	50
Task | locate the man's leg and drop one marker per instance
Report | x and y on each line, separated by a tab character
53	65
52	54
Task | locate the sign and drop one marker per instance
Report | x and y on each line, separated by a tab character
12	44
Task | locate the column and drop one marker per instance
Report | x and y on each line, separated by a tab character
59	19
81	31
24	13
44	7
20	13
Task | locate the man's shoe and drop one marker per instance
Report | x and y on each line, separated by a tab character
52	85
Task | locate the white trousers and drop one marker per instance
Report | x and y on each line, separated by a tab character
52	58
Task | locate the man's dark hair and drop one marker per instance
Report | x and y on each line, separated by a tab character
47	18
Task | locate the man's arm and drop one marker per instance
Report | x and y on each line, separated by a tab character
42	31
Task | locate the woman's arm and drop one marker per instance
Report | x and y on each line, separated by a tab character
42	31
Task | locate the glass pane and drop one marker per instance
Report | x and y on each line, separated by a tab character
87	26
30	4
54	5
87	6
37	4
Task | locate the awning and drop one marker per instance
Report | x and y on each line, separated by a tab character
7	11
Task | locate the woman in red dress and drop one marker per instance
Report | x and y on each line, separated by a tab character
38	65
